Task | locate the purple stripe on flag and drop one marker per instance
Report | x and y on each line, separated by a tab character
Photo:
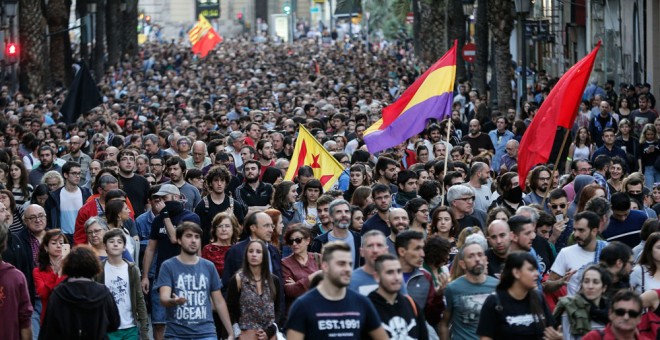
410	122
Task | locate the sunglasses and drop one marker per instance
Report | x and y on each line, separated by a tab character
631	313
555	206
296	240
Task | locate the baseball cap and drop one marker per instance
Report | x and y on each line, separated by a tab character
168	189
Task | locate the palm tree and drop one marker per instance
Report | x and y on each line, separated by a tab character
481	40
32	29
501	15
457	32
431	33
57	16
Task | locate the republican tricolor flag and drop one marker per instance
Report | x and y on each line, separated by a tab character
430	96
308	151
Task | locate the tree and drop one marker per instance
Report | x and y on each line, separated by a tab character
501	15
99	43
57	16
431	33
457	32
481	40
113	32
32	37
129	34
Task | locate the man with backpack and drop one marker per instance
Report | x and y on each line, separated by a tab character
217	201
399	314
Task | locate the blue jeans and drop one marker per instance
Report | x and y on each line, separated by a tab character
651	175
36	319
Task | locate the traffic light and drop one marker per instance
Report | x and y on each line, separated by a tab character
148	19
286	8
239	16
11	52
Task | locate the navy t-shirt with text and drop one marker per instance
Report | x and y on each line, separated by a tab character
352	317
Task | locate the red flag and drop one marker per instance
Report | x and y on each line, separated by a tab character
559	109
207	43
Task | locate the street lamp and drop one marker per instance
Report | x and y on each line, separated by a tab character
91	6
468	7
91	9
11	7
522	8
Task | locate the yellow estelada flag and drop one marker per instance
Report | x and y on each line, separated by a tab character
308	151
199	30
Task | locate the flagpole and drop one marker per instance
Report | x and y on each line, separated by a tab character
552	175
442	202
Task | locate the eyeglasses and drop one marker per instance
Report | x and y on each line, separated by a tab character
94	232
466	199
555	206
631	313
154	165
98	141
35	218
77	174
296	240
423	211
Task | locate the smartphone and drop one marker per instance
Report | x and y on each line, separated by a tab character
66	249
560	217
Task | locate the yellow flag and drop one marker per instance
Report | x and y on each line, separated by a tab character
199	30
309	151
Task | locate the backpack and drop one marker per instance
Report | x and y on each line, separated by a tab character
231	205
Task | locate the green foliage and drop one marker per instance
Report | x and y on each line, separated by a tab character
389	16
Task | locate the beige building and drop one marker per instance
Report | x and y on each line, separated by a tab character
175	15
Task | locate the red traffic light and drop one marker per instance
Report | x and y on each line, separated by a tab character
239	15
12	49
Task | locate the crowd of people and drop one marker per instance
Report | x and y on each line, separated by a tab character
165	212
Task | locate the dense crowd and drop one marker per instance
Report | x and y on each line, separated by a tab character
164	212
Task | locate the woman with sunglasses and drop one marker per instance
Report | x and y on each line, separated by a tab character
588	309
517	298
299	268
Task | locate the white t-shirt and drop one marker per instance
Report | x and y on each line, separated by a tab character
116	279
636	280
70	204
572	258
